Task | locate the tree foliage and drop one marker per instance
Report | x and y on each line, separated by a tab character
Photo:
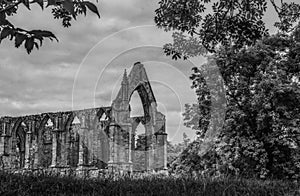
66	10
174	150
140	152
204	25
261	134
197	116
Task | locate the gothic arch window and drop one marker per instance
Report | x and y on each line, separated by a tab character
102	121
103	117
45	143
74	129
18	144
143	99
100	138
49	123
136	106
47	133
73	135
23	125
75	121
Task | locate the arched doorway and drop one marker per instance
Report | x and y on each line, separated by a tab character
73	142
140	114
139	149
45	143
18	144
101	149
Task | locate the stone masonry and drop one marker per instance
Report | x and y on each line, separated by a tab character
97	138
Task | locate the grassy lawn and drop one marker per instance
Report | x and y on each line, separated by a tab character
43	184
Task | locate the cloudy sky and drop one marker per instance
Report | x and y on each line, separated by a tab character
84	69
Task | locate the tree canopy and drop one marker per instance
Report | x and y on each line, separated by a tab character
203	25
66	10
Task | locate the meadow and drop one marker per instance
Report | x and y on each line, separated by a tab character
47	184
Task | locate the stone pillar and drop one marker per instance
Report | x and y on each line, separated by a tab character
133	146
112	163
149	146
125	146
116	148
2	150
63	155
28	144
35	152
4	145
165	152
81	149
130	145
54	149
27	150
90	147
80	153
111	145
4	138
63	148
54	143
60	143
161	150
68	148
82	143
152	152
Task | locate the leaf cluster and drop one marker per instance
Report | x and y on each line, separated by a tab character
61	9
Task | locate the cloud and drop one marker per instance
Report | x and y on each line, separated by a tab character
136	11
84	69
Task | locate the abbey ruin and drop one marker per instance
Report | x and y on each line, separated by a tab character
97	138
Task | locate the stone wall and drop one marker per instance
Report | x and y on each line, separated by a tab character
90	139
30	142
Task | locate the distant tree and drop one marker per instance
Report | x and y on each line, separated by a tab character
189	162
140	150
174	150
141	140
67	10
235	23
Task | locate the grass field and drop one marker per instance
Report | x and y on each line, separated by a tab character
45	184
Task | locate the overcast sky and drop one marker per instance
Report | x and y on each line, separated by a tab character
85	68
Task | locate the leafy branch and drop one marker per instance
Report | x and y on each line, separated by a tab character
61	9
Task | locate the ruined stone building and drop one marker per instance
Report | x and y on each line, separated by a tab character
101	138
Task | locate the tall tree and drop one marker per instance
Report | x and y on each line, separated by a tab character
67	10
261	75
261	134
